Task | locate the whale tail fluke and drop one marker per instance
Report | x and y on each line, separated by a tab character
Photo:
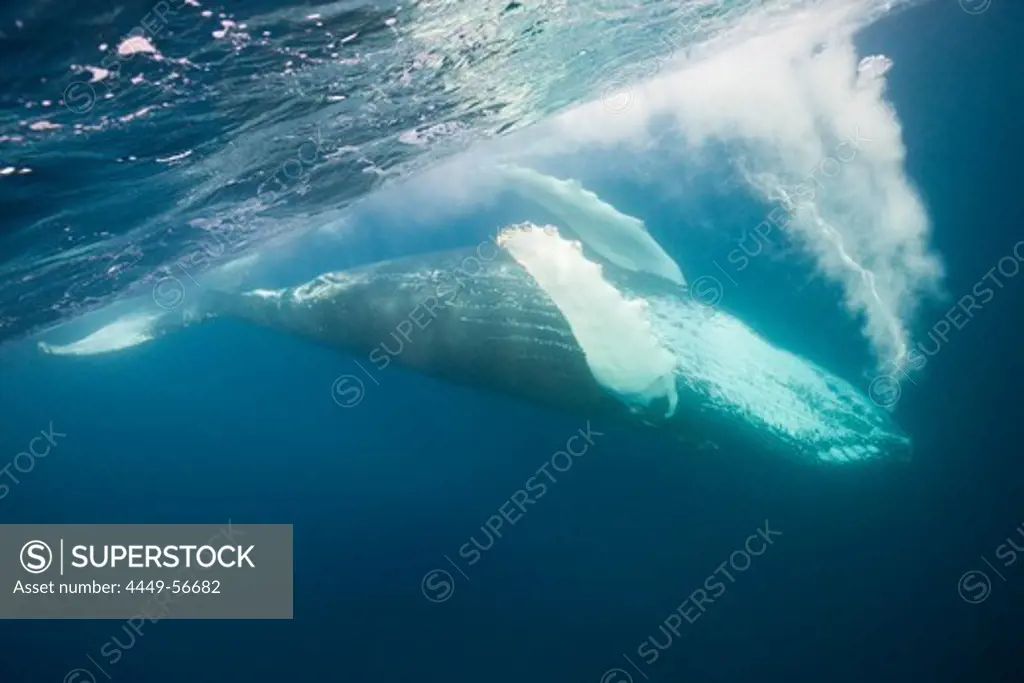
141	326
169	311
130	330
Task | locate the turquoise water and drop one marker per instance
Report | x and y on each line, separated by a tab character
864	577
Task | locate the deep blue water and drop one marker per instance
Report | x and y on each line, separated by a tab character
224	422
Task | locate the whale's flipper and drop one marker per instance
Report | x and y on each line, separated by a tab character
623	353
616	237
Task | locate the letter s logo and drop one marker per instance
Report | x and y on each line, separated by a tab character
79	97
36	557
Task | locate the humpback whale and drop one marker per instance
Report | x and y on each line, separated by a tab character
535	318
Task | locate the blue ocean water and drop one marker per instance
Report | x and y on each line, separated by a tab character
864	575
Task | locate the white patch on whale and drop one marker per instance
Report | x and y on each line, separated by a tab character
624	355
123	333
620	239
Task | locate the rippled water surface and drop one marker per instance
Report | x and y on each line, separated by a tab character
132	131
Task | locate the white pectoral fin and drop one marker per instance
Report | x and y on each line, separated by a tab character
623	353
618	238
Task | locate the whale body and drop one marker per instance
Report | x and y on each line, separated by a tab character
533	319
